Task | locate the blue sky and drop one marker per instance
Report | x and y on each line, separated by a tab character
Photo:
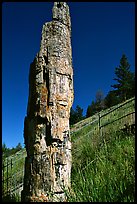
101	33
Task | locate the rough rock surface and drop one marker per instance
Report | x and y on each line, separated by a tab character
46	126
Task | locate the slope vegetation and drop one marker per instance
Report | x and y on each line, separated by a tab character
103	167
103	157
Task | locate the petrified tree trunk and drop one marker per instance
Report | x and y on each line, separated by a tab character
46	126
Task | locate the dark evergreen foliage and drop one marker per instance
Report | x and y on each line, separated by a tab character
111	99
76	115
92	109
125	86
97	105
123	89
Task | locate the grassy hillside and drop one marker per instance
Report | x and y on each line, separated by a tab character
103	169
12	175
107	115
103	165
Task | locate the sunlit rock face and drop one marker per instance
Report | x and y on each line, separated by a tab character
46	126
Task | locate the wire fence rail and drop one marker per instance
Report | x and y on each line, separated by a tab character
13	174
123	113
121	116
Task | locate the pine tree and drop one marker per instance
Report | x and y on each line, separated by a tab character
76	115
89	111
100	105
79	113
125	78
72	118
18	147
4	148
92	109
111	99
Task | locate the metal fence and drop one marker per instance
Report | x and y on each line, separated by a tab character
13	175
121	116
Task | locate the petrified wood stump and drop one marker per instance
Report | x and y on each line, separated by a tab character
46	126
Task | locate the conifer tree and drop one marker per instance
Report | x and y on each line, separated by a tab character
89	111
76	115
125	78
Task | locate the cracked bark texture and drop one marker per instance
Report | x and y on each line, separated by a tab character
46	126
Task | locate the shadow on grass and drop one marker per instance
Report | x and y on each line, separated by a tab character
9	198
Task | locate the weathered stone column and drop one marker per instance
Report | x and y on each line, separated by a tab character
46	126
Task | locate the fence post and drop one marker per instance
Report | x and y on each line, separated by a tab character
7	175
99	124
11	175
3	186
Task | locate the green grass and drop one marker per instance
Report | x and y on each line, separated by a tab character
91	125
15	173
103	169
